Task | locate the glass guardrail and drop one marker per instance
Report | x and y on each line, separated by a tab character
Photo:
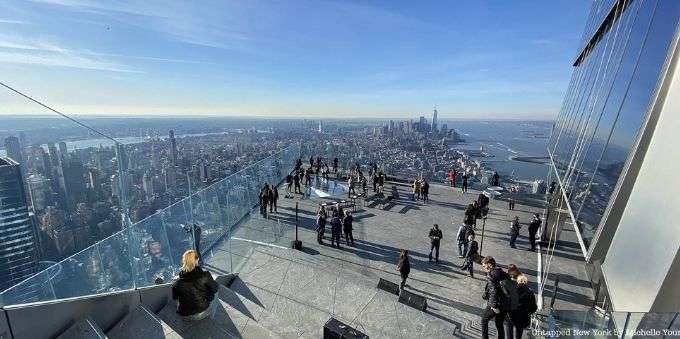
150	250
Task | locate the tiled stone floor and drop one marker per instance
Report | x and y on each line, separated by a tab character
308	287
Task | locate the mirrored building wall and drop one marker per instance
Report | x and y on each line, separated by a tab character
606	146
615	78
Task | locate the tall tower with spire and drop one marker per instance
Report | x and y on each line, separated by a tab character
434	119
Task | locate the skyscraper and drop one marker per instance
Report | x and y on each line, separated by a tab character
13	148
434	120
18	239
173	148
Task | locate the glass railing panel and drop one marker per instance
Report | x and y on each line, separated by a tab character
38	288
151	249
207	214
153	256
116	262
177	222
82	274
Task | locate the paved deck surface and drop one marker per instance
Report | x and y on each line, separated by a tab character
380	232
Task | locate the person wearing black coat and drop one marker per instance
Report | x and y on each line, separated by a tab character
470	215
534	225
347	228
471	254
493	294
425	189
514	231
275	198
520	318
194	290
336	230
435	239
264	200
320	224
404	267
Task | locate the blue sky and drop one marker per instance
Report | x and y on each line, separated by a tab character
473	59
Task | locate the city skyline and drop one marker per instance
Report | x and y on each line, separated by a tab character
303	60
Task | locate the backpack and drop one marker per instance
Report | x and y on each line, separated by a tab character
510	298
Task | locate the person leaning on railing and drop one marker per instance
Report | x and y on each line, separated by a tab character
194	290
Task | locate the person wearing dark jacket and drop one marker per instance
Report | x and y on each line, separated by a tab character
404	267
470	215
520	318
465	183
347	227
534	225
493	294
275	198
471	254
462	239
336	230
270	198
320	224
194	290
264	200
425	189
435	238
514	231
296	180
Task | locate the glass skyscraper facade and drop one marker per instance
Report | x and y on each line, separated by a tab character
18	257
625	52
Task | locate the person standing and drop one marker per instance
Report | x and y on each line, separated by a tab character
350	185
404	267
296	179
511	198
520	318
335	165
336	229
416	189
534	225
470	215
465	183
308	177
347	228
264	200
514	231
496	179
320	224
426	191
471	254
450	178
270	198
462	237
311	161
493	294
275	198
435	239
289	183
375	182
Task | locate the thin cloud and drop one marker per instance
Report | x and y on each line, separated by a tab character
12	22
36	52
